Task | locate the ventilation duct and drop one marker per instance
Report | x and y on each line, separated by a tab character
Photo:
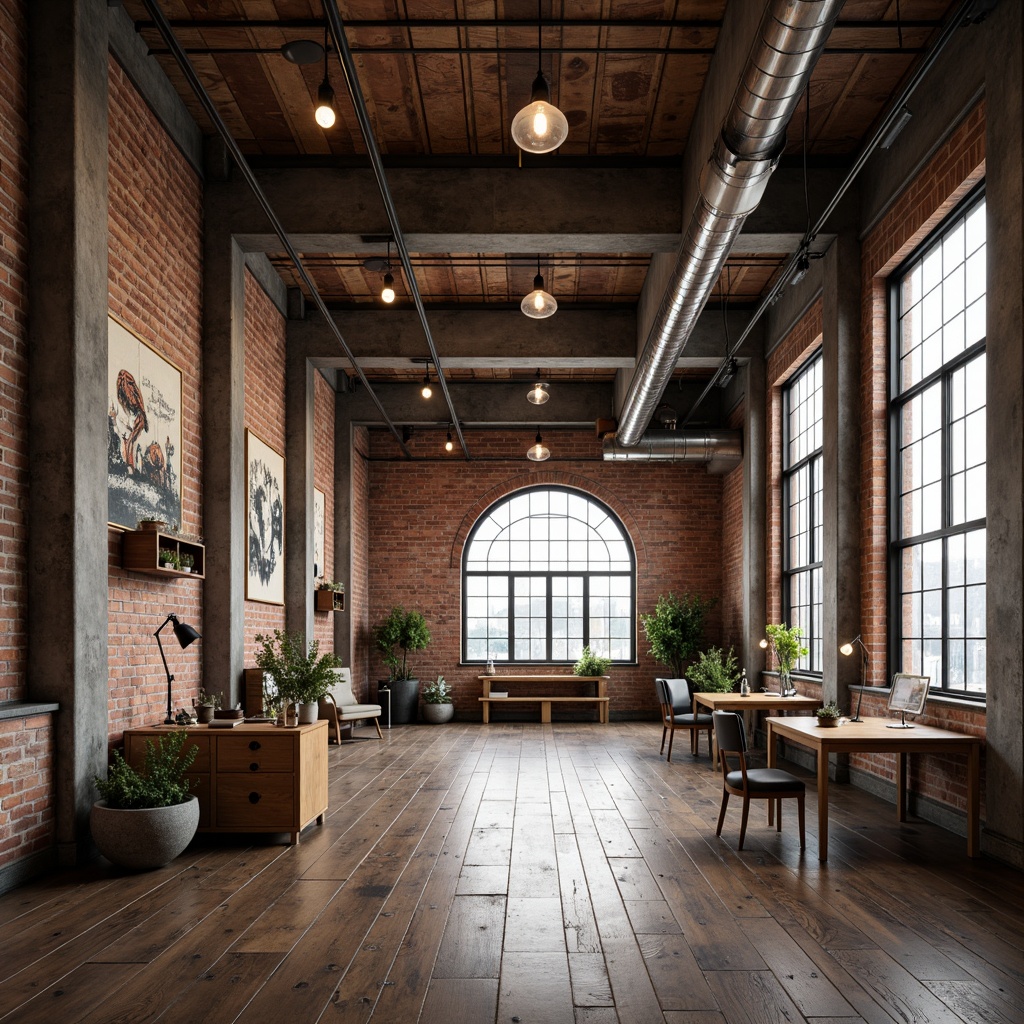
723	447
789	42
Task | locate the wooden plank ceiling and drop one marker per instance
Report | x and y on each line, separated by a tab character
443	78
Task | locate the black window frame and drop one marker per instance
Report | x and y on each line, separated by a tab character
942	375
548	575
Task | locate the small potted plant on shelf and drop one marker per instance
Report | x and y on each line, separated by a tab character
169	558
591	664
713	672
302	676
151	523
145	818
187	561
437	702
329	595
206	704
829	714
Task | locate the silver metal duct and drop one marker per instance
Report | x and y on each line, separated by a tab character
693	445
789	42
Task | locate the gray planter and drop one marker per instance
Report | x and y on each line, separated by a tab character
438	713
308	713
405	696
143	839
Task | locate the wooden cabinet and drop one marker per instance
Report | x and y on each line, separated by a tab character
252	778
140	552
329	601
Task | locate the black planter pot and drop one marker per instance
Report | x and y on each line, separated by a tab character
405	699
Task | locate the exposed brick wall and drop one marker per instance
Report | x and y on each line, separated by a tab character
13	353
155	282
26	787
422	512
358	601
323	478
264	414
956	167
732	549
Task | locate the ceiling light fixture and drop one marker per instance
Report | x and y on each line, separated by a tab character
539	303
449	444
538	394
324	113
540	126
376	264
803	264
426	391
387	293
538	452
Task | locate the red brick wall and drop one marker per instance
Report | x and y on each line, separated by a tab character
422	512
155	281
323	478
264	414
26	787
732	550
358	601
957	166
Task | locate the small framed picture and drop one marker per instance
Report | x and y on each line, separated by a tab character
264	502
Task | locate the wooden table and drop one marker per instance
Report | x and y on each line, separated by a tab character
499	681
873	737
759	701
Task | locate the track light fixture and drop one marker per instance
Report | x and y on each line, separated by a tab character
538	394
324	113
539	304
538	452
540	126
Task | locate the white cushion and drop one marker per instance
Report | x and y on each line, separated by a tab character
341	691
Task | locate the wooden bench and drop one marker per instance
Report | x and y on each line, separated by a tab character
490	682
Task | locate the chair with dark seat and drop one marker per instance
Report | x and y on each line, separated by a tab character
751	783
677	713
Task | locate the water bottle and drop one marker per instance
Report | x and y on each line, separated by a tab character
744	685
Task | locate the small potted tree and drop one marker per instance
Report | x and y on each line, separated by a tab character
675	628
400	633
145	818
713	672
829	714
590	664
437	702
302	675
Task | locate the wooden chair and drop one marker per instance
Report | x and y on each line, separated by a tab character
751	783
677	713
339	706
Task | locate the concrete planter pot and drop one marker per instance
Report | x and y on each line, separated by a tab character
308	713
438	713
143	839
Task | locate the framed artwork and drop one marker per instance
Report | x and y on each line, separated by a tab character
319	528
143	431
264	505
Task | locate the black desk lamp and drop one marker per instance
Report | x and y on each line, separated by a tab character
847	650
185	634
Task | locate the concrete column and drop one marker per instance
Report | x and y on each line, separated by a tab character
67	554
1004	157
223	458
298	527
754	524
840	308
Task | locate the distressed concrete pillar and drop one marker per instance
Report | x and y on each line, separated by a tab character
840	342
223	458
298	574
754	525
67	624
1004	185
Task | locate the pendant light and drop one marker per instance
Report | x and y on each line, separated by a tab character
540	126
449	444
324	113
538	452
387	293
539	303
426	391
538	394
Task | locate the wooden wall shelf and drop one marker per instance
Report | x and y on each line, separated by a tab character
329	601
140	552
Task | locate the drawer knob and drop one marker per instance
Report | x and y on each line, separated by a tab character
254	745
254	767
254	798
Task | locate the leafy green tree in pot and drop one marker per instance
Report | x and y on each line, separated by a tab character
713	672
401	631
675	628
302	676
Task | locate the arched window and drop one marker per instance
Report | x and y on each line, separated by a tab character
545	573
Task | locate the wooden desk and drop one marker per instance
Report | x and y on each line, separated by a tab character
872	737
600	697
752	702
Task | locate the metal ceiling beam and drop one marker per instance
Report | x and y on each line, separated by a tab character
660	51
208	105
363	116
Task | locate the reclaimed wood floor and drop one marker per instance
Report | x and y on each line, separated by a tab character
532	873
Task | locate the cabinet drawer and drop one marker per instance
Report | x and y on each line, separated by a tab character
261	803
255	754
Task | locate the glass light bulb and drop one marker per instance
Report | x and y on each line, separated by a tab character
388	294
846	649
449	445
325	116
538	301
324	112
426	391
539	127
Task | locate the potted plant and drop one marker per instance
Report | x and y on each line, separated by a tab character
591	664
713	672
785	642
169	558
437	702
829	714
206	704
145	818
674	629
302	675
403	632
187	560
329	595
151	523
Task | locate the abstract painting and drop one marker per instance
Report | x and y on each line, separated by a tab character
264	502
143	432
319	531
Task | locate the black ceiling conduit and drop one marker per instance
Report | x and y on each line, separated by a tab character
243	165
363	116
970	12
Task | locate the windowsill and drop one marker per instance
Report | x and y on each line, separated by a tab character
26	708
942	700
